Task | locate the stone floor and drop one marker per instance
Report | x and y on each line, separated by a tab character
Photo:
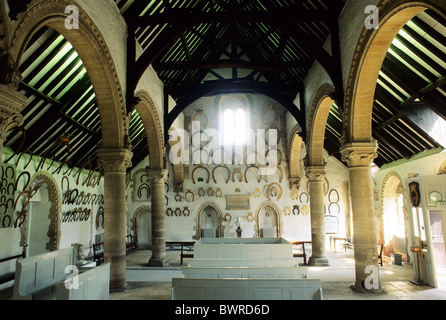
155	283
144	283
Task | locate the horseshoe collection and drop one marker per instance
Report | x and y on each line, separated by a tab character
178	212
75	215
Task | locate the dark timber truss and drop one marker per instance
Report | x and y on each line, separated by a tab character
205	47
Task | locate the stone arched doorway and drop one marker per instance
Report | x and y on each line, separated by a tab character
268	221
141	226
209	216
394	232
42	230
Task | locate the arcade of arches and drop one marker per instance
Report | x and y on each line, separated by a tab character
95	145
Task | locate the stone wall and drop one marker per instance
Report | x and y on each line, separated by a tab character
294	227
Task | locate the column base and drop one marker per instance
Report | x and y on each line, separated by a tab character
361	289
118	287
156	262
318	261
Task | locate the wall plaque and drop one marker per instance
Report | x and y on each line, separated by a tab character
238	202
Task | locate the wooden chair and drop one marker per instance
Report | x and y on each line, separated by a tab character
300	254
98	253
348	244
186	255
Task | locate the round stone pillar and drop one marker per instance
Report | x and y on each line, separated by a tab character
115	163
359	157
316	175
157	178
11	103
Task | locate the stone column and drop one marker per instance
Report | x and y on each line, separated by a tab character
11	103
157	177
359	157
114	162
316	175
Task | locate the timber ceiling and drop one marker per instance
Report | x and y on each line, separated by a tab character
201	47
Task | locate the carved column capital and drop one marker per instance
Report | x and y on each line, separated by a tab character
11	104
156	176
114	160
359	154
295	183
315	173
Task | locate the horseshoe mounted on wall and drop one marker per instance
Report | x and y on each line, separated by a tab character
271	108
221	166
146	187
18	179
258	173
200	167
68	183
99	214
272	187
277	168
73	196
9	222
30	158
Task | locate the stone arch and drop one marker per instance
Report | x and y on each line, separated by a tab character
54	195
95	55
198	222
4	27
367	62
320	110
153	128
134	227
277	211
294	162
392	196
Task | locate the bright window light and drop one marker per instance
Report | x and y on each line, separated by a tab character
234	124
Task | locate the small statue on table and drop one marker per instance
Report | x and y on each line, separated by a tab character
239	230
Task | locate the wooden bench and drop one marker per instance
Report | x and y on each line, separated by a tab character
93	284
131	242
380	247
246	289
183	245
11	275
98	248
301	254
36	277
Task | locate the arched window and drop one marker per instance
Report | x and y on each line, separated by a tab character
234	121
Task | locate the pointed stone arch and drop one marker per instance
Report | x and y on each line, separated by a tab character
95	55
134	227
276	210
198	222
54	195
